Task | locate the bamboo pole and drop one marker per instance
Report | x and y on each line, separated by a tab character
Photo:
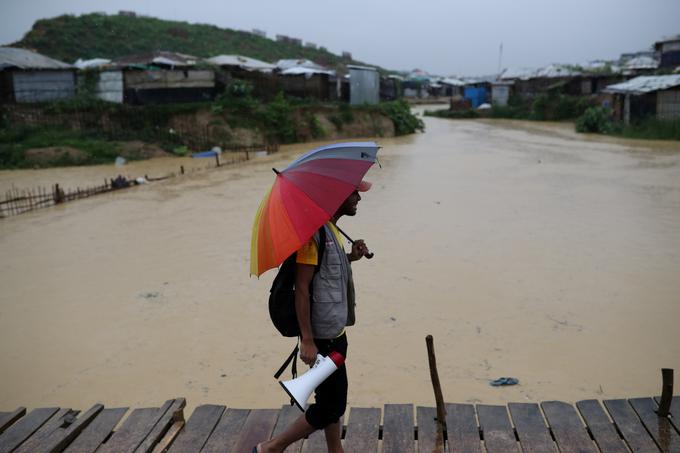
439	398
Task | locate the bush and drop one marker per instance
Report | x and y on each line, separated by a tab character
314	125
651	128
595	119
277	119
404	121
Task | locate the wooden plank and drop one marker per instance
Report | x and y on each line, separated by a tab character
97	431
499	437
660	428
601	428
258	427
225	434
69	429
198	428
174	413
16	434
7	418
363	429
630	426
462	429
398	429
674	411
570	433
164	444
426	420
531	429
134	430
37	438
287	416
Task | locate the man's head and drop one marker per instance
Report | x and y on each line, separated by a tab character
349	206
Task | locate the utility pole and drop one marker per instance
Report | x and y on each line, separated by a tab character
500	59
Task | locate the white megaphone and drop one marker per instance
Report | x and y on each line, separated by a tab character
299	389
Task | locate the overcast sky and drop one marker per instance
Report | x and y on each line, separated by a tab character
442	37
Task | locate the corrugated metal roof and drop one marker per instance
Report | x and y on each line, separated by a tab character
299	70
159	58
641	62
556	70
645	84
247	63
12	57
518	73
453	82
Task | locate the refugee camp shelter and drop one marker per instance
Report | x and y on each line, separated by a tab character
256	72
29	77
500	92
109	84
669	51
308	82
364	84
647	96
452	86
390	87
165	77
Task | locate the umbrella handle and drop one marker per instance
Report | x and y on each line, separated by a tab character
367	255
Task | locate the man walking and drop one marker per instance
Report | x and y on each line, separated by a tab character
323	315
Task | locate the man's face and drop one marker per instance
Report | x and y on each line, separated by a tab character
349	206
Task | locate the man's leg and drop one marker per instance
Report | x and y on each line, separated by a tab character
299	429
333	435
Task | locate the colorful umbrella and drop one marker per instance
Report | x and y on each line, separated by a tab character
304	196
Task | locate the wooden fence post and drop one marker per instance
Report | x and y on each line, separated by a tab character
439	398
666	392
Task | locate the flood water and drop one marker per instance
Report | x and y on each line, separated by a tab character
525	249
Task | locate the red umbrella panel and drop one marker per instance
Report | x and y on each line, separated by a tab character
304	196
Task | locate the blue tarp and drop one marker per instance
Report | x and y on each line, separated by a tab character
477	96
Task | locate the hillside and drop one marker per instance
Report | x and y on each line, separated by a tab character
68	38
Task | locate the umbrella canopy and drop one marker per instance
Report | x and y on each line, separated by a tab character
304	196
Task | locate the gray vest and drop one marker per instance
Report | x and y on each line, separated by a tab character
332	291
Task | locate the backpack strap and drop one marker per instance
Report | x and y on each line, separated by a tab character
293	357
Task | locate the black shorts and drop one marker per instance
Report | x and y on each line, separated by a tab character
331	395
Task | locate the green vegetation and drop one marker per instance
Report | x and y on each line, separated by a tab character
651	128
595	119
399	112
556	107
95	35
15	142
91	129
545	107
599	120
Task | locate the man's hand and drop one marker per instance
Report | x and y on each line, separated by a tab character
308	351
359	250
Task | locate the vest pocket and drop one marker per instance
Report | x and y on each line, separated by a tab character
328	295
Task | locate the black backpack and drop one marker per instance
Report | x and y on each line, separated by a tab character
282	294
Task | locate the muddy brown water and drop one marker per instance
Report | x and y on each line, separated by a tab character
525	249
